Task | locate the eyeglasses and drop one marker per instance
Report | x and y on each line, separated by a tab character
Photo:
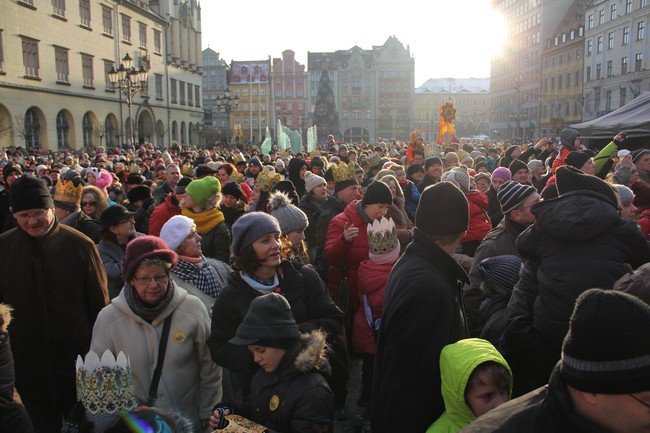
23	217
89	203
647	405
159	279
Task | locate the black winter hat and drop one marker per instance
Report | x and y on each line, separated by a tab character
182	184
414	168
576	159
233	189
604	352
377	193
113	215
430	161
11	168
443	210
517	165
134	179
268	323
29	192
570	179
140	192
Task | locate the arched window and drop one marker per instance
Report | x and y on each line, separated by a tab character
62	129
32	130
87	130
109	132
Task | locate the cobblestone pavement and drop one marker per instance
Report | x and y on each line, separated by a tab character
354	423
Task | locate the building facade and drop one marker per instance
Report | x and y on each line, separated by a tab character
562	77
54	61
616	68
289	92
471	97
214	85
250	81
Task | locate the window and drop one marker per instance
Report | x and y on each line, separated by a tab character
58	8
181	92
142	29
643	3
62	129
32	129
61	64
588	73
609	68
640	30
87	126
596	99
30	57
628	6
598	71
601	17
568	80
590	44
126	28
107	68
158	83
107	20
156	41
638	62
172	84
610	41
599	44
590	22
608	100
87	69
559	82
190	95
2	54
622	96
626	35
624	66
612	12
84	12
197	96
576	79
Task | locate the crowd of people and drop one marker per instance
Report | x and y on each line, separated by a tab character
241	284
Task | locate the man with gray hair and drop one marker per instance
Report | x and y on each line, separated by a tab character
172	176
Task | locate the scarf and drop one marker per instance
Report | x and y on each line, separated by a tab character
197	271
205	221
147	311
263	287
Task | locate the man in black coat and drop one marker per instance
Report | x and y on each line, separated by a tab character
422	313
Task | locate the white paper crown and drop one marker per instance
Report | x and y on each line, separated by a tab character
105	387
382	236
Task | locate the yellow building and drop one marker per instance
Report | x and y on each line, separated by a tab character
250	82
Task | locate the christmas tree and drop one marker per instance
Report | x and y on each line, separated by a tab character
325	116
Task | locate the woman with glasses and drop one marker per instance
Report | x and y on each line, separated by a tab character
93	202
118	229
150	305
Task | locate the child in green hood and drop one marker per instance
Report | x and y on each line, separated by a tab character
475	379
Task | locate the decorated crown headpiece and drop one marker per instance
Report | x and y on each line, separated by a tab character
382	236
105	387
343	172
236	176
267	179
238	157
374	160
415	136
68	193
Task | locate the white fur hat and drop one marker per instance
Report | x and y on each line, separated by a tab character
176	230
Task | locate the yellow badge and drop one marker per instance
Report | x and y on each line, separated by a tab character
274	403
178	337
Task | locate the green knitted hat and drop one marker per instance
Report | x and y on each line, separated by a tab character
201	190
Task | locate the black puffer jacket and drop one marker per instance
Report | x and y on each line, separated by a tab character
295	398
578	242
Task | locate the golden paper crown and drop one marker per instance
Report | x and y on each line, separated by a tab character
238	157
66	192
134	168
187	170
267	179
236	176
382	236
343	172
415	136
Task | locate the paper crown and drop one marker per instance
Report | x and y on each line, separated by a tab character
267	179
382	236
238	157
135	168
66	192
374	160
236	176
105	387
187	170
415	136
343	172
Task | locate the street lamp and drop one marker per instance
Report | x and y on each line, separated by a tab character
226	104
129	81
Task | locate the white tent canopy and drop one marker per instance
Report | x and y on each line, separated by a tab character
633	118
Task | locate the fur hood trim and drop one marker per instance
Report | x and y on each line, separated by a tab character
313	354
5	316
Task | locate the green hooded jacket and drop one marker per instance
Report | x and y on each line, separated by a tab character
457	362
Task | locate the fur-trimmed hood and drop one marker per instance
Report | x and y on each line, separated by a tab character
5	316
313	352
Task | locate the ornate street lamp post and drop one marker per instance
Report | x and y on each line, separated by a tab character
227	104
129	81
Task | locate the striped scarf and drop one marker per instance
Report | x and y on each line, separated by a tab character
199	273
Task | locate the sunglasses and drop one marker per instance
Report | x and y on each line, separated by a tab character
89	203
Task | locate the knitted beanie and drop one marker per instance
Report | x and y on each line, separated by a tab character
313	180
233	189
414	168
11	168
430	161
140	192
182	185
604	351
176	230
637	154
626	193
501	271
512	194
443	210
251	227
377	193
570	179
145	247
502	173
255	161
200	190
461	176
268	322
511	149
289	217
576	159
29	192
568	137
534	164
517	165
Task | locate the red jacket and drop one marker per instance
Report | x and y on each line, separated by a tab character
371	278
644	223
161	214
344	258
559	161
479	223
